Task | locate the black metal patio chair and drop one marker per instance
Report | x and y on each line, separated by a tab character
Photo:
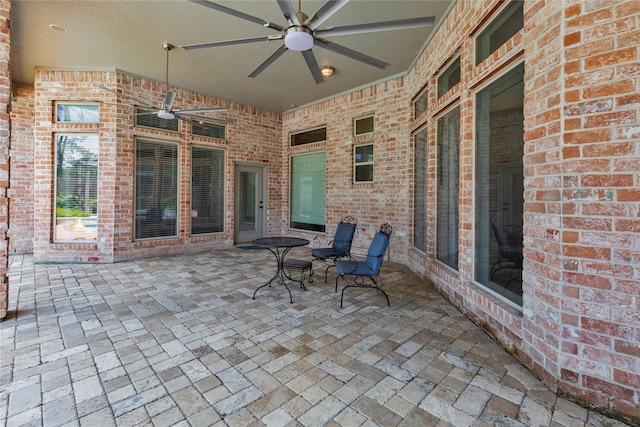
369	268
340	245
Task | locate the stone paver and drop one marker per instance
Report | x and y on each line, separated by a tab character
178	341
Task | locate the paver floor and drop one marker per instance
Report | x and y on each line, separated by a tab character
179	341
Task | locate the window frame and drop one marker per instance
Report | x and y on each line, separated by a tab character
453	67
319	228
157	142
77	104
357	164
201	123
499	15
355	125
292	136
223	197
151	112
424	129
79	226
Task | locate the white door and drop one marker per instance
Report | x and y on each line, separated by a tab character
250	203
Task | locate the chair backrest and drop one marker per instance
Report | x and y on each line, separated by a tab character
343	238
378	247
507	248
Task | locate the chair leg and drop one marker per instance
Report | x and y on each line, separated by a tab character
362	285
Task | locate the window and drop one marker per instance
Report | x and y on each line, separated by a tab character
501	29
420	103
363	163
308	191
363	125
499	185
76	213
207	190
150	119
156	189
77	112
449	78
308	137
212	130
420	190
448	145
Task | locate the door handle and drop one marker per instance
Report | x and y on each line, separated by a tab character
260	205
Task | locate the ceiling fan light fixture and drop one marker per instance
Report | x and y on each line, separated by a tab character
298	38
165	114
327	71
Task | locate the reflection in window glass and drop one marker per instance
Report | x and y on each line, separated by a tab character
501	29
76	214
77	113
156	189
363	163
207	190
420	191
448	145
449	78
499	185
420	104
308	191
363	125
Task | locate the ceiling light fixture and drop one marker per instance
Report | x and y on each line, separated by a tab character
166	114
298	38
327	71
58	28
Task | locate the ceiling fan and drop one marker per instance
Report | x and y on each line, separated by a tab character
302	33
165	111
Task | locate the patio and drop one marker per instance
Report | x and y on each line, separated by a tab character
179	341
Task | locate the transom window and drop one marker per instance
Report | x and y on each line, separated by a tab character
363	125
501	29
308	136
67	112
449	78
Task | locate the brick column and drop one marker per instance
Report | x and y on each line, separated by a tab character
5	99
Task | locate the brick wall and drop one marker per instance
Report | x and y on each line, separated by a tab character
5	144
21	208
255	137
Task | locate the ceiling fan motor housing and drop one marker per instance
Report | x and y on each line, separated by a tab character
298	38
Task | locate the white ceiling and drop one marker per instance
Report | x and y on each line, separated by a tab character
128	35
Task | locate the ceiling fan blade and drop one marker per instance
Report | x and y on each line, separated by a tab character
310	59
289	12
324	13
198	119
229	42
146	104
238	14
275	55
350	53
167	104
202	110
400	24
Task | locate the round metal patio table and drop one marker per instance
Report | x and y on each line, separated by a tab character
279	247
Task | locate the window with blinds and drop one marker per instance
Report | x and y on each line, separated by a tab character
76	213
207	190
308	191
150	119
156	198
211	130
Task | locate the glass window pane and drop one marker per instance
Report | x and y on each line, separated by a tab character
150	119
156	189
308	137
501	29
420	191
212	130
449	78
448	145
77	113
499	185
76	214
363	125
420	104
207	190
363	160
308	191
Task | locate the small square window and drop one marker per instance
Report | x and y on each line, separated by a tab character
449	78
363	163
363	125
67	112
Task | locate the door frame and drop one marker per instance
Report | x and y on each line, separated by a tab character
261	211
